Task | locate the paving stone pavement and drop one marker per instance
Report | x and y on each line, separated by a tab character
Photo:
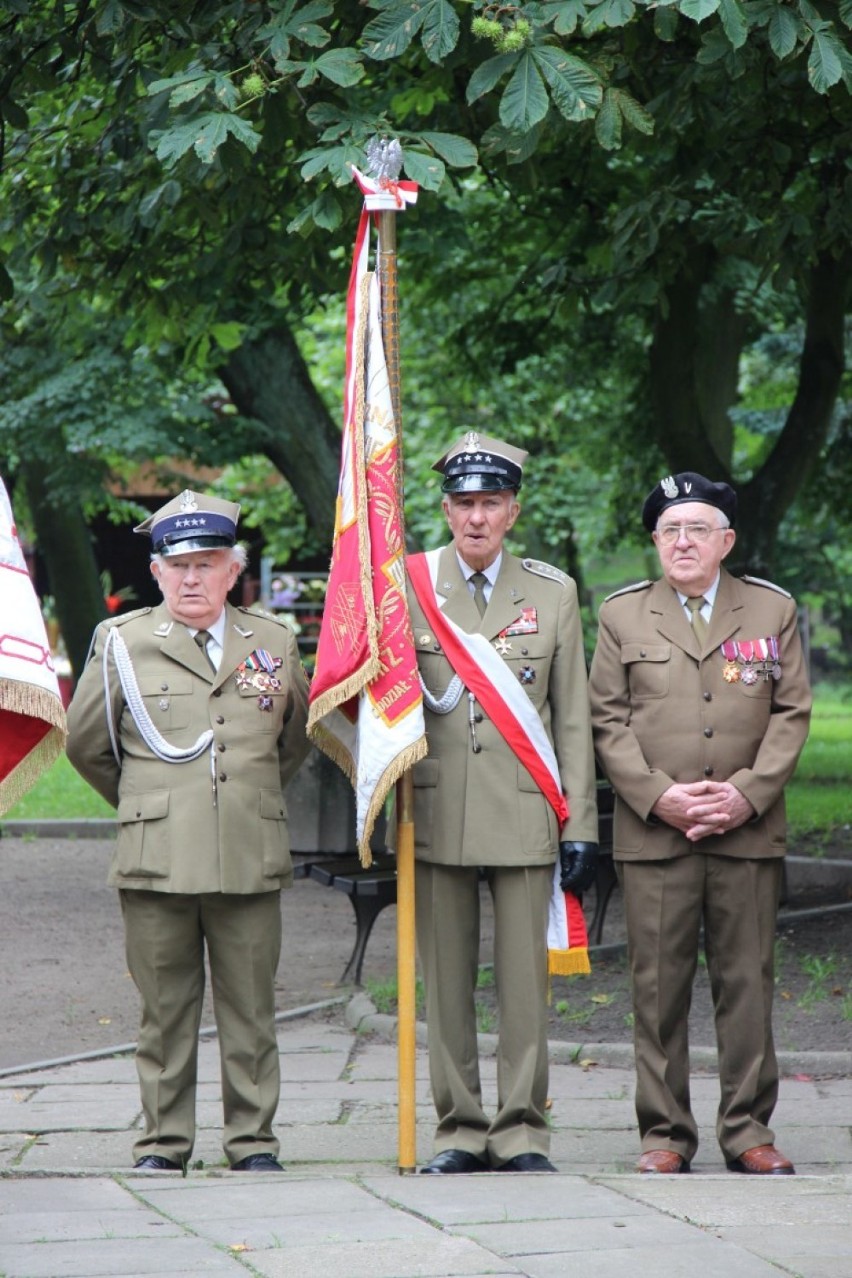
71	1207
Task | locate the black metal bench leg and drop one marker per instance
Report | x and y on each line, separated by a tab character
605	882
367	910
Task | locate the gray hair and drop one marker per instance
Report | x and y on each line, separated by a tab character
238	555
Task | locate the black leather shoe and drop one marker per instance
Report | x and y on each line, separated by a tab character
528	1162
257	1162
155	1162
451	1162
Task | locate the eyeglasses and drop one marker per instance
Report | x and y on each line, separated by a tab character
669	533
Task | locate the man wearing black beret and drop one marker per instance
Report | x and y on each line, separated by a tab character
700	708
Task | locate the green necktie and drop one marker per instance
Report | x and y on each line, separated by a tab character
201	639
479	579
695	603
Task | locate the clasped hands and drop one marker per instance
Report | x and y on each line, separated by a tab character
702	808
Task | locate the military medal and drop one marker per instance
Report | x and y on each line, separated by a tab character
502	645
525	624
731	672
526	674
257	673
264	703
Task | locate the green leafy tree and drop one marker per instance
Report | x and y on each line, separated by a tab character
668	175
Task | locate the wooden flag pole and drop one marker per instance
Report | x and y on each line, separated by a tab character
405	945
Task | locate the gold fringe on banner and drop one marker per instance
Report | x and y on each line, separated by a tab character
29	700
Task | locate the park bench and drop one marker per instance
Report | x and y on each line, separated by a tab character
322	824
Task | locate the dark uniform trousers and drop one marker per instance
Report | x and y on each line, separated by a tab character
165	938
447	909
666	903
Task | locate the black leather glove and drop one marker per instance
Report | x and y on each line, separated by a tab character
579	864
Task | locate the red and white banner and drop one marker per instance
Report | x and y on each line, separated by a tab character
366	707
32	720
484	673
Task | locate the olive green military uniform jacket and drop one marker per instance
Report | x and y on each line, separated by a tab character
663	711
484	808
219	822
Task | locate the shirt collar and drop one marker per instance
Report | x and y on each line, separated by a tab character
491	572
709	594
216	631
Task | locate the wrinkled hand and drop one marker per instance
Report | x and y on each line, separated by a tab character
702	808
578	862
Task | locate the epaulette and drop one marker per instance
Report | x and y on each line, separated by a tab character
264	615
545	570
770	585
127	616
626	590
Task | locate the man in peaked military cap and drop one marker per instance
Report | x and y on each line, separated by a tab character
201	727
481	615
700	707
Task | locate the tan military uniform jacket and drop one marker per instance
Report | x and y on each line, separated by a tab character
485	808
219	822
663	712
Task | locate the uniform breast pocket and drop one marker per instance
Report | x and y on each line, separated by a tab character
261	709
648	668
167	699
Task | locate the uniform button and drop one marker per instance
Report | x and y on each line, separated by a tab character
217	692
525	652
220	718
708	772
223	776
477	718
708	696
436	647
164	687
138	813
221	749
708	732
643	652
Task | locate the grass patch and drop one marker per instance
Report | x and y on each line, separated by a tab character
384	995
60	792
819	796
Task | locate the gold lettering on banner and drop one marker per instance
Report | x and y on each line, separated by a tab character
393	695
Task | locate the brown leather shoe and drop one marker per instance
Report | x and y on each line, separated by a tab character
662	1162
763	1160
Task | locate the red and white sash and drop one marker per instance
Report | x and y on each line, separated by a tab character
486	675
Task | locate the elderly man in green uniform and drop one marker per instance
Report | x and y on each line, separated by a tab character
700	708
492	800
190	719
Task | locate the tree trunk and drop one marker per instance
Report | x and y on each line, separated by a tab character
694	361
767	497
65	543
268	379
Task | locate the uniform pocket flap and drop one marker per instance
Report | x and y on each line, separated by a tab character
143	807
272	806
632	652
425	773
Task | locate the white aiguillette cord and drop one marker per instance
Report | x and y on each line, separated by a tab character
148	730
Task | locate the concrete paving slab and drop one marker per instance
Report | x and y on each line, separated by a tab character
726	1202
96	1225
109	1257
707	1257
229	1198
502	1197
613	1232
441	1258
789	1244
44	1114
